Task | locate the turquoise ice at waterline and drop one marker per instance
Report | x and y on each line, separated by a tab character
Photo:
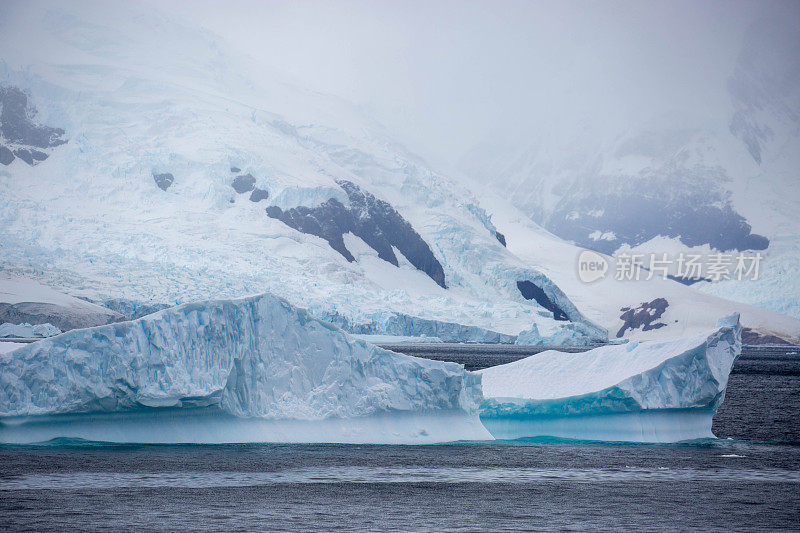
258	369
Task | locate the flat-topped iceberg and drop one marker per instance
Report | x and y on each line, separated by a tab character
254	369
257	369
661	391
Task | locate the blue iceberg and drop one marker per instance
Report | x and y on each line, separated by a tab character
661	391
254	369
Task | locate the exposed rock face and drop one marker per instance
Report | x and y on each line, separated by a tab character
753	338
243	184
686	280
25	155
500	237
247	183
644	316
18	129
30	156
163	180
6	157
376	222
235	169
531	291
16	122
691	207
258	194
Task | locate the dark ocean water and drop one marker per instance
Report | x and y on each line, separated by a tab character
748	480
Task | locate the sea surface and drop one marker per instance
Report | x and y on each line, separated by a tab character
748	479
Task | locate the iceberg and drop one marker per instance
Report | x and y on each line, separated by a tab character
659	391
28	331
254	369
570	334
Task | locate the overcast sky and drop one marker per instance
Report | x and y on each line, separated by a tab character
445	75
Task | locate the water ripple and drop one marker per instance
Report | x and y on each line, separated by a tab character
353	474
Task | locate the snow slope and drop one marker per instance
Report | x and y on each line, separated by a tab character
252	369
189	173
139	205
688	311
713	177
655	391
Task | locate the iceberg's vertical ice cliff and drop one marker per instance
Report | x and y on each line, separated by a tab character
660	391
251	369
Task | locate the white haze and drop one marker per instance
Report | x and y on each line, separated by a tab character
444	76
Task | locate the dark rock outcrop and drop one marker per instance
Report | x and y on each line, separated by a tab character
25	155
235	169
30	156
376	222
244	183
18	129
686	280
753	337
500	237
644	316
163	180
531	291
16	122
6	156
687	204
258	194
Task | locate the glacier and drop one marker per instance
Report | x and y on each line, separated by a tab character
255	369
657	391
106	82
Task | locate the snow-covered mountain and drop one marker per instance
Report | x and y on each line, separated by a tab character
694	180
145	164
